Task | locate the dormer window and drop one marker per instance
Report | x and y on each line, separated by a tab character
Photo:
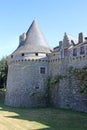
36	54
75	52
22	54
82	50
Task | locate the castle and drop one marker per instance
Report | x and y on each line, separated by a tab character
30	65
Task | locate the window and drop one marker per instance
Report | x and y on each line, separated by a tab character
75	52
82	51
42	70
66	52
11	56
36	54
37	87
22	54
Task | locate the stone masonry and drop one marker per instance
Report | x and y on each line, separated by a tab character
30	65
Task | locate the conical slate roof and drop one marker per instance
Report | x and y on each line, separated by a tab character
34	41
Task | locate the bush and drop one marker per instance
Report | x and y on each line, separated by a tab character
3	72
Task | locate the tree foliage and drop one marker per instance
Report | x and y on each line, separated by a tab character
3	72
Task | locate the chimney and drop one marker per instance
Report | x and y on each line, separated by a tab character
60	44
80	38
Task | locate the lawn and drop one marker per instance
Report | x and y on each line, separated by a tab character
41	119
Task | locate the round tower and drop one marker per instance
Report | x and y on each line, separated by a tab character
28	70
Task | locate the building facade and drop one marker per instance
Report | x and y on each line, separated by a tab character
30	65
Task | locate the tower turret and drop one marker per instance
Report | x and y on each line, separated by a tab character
28	70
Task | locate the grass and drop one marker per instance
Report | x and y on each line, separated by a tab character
41	119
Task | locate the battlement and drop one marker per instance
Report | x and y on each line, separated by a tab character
28	60
78	61
16	58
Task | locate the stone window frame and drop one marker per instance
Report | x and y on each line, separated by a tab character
82	50
75	52
42	70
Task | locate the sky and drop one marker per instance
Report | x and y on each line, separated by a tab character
55	17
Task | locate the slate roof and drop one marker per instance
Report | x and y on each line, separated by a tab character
34	42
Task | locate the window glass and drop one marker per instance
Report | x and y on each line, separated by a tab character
42	70
75	52
82	50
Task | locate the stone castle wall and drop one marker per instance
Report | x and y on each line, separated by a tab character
66	93
57	65
78	62
26	86
25	83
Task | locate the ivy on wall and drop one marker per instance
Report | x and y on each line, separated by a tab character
81	75
51	83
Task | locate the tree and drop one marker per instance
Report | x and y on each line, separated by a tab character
3	72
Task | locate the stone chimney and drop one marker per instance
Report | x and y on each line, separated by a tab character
80	38
60	44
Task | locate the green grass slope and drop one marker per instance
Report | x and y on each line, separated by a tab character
41	119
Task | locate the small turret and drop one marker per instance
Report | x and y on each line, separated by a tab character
28	69
22	38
